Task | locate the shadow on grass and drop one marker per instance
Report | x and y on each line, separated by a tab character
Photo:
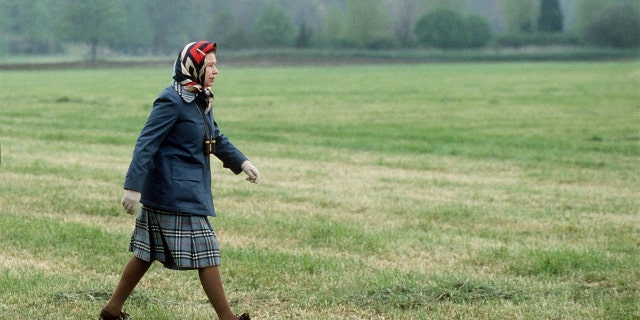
139	297
414	298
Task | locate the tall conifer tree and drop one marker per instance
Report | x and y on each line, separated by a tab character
550	19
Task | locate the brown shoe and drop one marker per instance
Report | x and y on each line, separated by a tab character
244	316
106	316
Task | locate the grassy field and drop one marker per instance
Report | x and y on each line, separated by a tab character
455	191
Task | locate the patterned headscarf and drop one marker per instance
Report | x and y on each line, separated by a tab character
189	69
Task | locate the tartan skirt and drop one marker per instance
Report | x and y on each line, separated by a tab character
181	241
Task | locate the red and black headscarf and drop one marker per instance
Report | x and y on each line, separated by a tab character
189	68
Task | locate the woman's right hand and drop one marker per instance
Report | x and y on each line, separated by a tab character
130	201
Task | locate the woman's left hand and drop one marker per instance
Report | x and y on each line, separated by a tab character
253	175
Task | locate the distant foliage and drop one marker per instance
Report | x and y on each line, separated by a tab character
447	29
616	26
443	28
479	31
520	15
33	33
365	24
550	18
160	27
274	28
518	40
93	22
303	39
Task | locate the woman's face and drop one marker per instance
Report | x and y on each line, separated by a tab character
211	69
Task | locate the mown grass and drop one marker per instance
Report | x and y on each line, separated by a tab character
456	191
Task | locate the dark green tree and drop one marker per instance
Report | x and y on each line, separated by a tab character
588	11
617	26
442	28
550	18
448	29
479	31
94	22
304	37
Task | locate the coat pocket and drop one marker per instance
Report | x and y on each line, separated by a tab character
184	172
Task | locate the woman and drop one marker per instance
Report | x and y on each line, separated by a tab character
170	175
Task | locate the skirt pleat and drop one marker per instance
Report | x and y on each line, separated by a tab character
181	241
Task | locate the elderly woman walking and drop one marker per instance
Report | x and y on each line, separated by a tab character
170	175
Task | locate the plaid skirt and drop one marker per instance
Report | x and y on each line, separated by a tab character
181	241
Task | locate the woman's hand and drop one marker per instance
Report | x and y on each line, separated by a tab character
253	175
130	201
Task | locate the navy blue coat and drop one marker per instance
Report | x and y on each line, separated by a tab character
169	167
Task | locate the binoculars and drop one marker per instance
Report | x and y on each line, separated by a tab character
209	146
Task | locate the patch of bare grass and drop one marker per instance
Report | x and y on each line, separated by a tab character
25	261
510	196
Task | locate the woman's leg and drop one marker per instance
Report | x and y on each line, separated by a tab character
133	272
212	285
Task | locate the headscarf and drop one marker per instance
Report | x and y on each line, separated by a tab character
189	71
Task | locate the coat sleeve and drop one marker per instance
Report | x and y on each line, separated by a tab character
230	156
159	123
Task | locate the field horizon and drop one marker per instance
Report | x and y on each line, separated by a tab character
415	191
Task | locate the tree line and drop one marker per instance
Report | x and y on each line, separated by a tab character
161	26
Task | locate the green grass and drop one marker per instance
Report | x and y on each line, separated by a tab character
452	191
